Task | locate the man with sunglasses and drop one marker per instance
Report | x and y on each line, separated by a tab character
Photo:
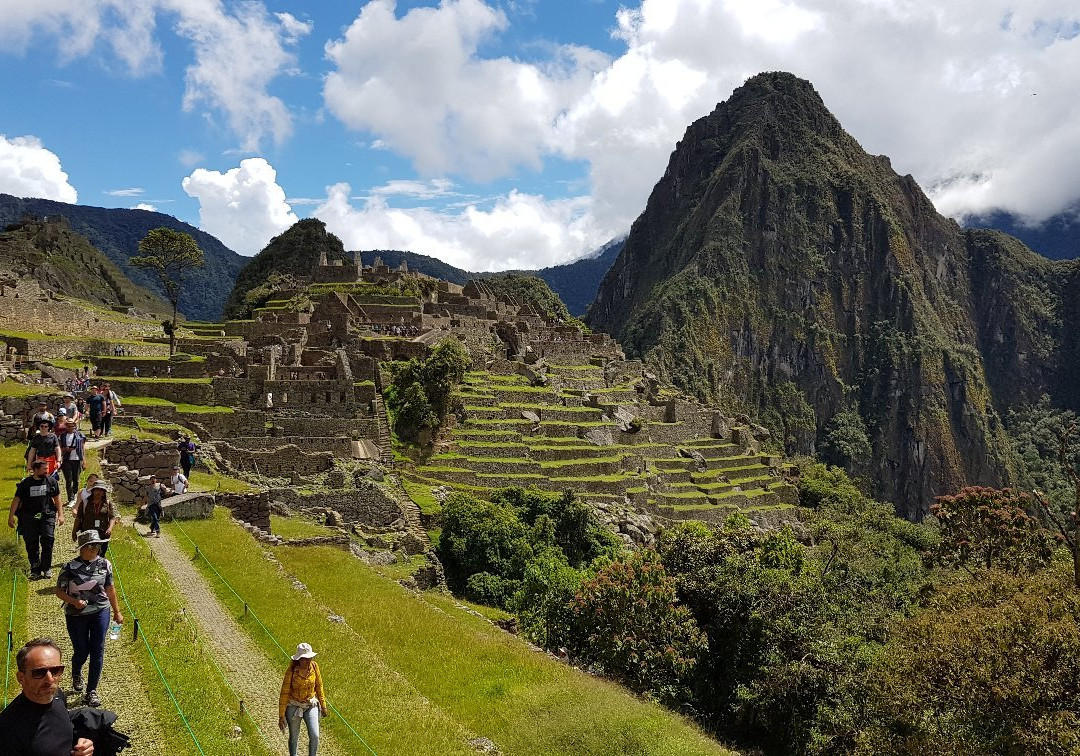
37	510
36	722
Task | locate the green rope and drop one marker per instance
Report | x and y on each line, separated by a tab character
8	641
158	666
268	633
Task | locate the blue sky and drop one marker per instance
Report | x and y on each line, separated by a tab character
520	133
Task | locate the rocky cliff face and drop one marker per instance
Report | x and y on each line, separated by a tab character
780	268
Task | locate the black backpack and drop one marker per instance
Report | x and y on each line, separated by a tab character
96	725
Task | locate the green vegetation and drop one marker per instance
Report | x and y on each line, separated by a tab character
152	401
14	388
169	254
420	394
532	290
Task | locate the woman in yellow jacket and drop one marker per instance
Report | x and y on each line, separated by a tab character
302	698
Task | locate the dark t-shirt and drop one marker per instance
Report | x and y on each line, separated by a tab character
32	729
96	403
45	445
35	496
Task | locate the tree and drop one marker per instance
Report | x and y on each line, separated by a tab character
1069	535
170	254
991	528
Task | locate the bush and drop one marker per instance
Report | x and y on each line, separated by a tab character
845	442
419	395
633	627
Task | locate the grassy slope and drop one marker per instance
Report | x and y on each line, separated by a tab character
469	675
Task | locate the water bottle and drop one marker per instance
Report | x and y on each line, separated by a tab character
114	631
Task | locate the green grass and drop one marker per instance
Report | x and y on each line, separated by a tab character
196	409
14	388
66	364
129	379
13	569
423	676
421	496
204	481
298	527
211	709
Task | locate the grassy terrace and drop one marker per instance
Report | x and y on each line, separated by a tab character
421	676
14	388
150	401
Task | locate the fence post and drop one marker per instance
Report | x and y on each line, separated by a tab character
136	634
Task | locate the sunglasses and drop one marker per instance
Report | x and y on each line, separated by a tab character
40	672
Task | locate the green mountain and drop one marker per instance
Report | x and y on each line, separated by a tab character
116	233
779	268
67	264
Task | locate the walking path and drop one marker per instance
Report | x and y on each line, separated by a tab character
122	689
248	671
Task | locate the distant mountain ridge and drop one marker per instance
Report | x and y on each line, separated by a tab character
116	232
781	269
1057	238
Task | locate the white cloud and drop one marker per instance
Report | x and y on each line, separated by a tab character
133	191
145	206
419	85
190	158
238	53
28	169
243	207
519	231
424	190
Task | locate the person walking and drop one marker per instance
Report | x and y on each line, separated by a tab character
85	585
71	455
112	407
84	493
44	446
95	403
302	698
36	507
186	447
154	493
36	722
179	481
96	513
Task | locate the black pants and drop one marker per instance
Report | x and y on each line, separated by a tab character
71	469
185	462
38	535
107	425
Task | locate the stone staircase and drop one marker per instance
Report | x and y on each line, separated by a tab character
386	455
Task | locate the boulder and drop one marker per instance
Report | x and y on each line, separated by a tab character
600	436
188	506
531	416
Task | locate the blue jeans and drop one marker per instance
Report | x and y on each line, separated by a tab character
155	518
87	633
293	715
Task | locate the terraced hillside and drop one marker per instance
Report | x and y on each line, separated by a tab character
608	434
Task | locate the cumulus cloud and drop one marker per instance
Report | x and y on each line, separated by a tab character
976	98
145	206
133	191
28	169
243	207
519	231
238	53
420	86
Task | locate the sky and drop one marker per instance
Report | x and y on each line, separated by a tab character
500	134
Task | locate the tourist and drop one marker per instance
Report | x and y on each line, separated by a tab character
72	458
179	482
302	698
135	371
36	506
186	447
154	493
112	407
168	371
96	406
42	415
70	408
84	494
36	722
85	584
44	446
96	513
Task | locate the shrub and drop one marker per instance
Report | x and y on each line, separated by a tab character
420	392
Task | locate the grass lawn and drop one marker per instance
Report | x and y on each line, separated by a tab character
211	709
298	527
13	569
14	388
418	678
202	480
421	496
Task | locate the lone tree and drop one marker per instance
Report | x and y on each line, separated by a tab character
170	254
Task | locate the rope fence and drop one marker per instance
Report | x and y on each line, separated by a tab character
10	635
251	613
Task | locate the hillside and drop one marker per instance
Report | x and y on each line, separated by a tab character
66	264
116	233
298	248
1057	238
780	268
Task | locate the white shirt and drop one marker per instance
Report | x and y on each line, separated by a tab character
179	483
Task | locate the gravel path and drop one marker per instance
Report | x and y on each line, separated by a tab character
248	671
122	689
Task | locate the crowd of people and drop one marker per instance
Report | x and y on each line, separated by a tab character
37	722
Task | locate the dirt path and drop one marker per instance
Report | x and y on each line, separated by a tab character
249	673
122	689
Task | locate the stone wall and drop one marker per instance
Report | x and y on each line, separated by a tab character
25	306
252	508
173	391
366	505
148	457
51	348
283	462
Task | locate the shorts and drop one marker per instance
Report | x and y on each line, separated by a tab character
96	422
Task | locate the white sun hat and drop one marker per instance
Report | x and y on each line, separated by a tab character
303	651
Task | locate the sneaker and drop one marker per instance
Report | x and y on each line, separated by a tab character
92	699
76	682
47	574
35	575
